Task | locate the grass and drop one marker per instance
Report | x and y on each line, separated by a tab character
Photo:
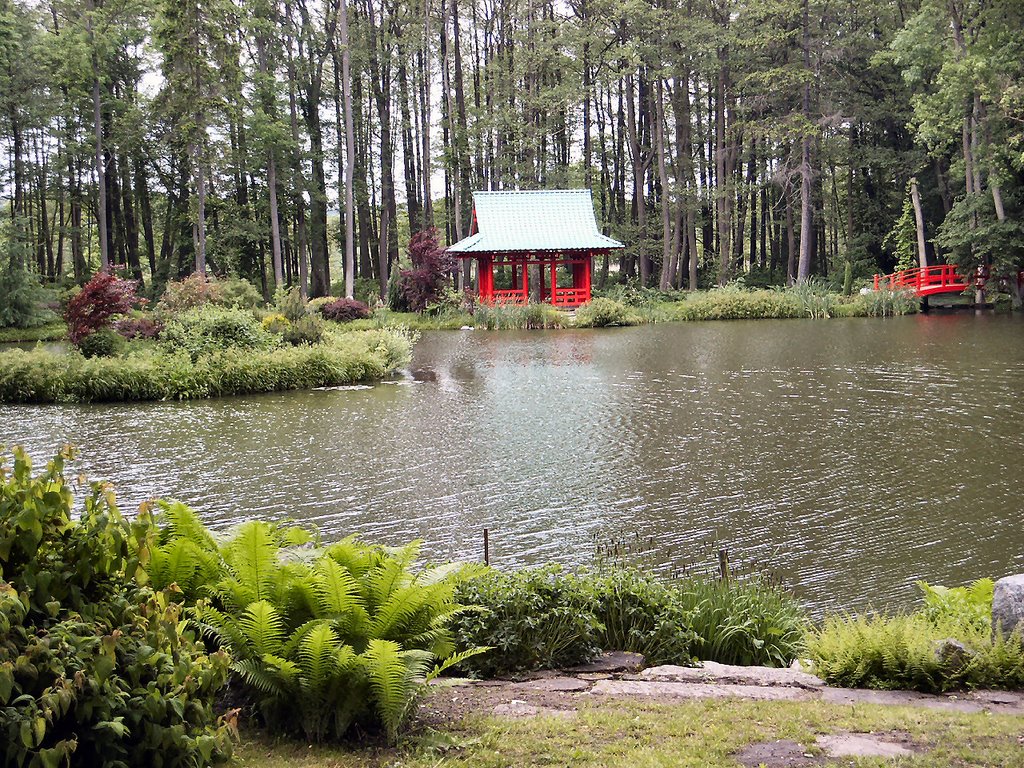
144	373
57	331
643	735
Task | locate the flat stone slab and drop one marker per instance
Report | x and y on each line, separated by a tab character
614	661
521	709
776	754
680	690
711	672
861	745
553	684
977	701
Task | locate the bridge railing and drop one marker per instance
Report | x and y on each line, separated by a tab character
921	278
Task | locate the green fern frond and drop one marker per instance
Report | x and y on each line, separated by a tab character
395	678
456	658
263	628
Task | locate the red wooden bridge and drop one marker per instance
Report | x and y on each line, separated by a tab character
927	281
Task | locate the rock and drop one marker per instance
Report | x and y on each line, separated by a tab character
615	661
726	674
861	745
952	654
667	691
554	684
1008	604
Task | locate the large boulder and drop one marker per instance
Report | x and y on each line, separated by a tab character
1008	604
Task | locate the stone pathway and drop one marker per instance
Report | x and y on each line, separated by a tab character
623	676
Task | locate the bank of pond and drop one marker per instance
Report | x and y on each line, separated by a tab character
209	339
121	634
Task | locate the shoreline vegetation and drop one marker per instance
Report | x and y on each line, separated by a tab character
335	642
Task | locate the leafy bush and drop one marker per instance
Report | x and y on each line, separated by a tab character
208	329
237	292
431	265
97	303
21	299
600	313
188	293
302	327
94	669
143	327
533	619
345	310
971	605
948	645
105	342
324	638
549	618
731	303
38	376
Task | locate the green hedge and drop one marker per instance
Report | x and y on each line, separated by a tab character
38	376
549	618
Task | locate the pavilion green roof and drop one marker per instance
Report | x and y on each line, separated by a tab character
535	220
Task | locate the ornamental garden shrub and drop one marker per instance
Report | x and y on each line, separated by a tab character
105	342
546	618
303	327
94	307
421	285
601	312
208	329
324	639
345	310
734	303
948	644
95	667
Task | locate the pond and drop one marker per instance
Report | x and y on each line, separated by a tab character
854	456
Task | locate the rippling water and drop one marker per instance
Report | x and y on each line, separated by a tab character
855	455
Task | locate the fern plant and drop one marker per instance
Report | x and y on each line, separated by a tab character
323	638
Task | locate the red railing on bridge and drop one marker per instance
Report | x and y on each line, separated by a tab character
942	278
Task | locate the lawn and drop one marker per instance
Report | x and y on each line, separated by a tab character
698	734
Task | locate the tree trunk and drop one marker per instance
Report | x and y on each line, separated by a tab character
915	197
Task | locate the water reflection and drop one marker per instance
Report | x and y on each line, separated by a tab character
856	455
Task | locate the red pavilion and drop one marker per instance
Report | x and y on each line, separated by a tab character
554	230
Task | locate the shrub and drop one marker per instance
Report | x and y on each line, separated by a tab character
732	303
97	303
302	327
533	619
945	646
814	297
315	305
188	293
143	327
600	313
542	618
275	323
236	292
345	310
38	376
503	317
208	329
421	285
94	669
344	635
105	342
21	299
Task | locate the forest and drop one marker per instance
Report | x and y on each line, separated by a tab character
302	142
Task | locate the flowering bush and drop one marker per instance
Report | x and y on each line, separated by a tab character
345	310
99	300
138	327
194	291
